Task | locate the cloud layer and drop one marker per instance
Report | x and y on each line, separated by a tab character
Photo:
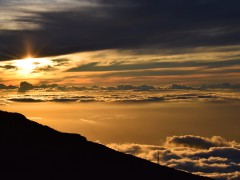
214	157
62	27
123	93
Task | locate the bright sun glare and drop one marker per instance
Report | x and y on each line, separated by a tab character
29	65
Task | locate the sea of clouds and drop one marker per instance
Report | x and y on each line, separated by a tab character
214	157
27	92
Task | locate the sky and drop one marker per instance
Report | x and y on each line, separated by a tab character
129	41
165	71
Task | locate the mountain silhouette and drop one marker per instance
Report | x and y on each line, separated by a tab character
29	150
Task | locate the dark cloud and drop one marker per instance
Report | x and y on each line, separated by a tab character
127	87
46	86
52	98
199	96
65	100
71	88
8	67
140	99
60	62
179	86
44	68
170	72
26	100
150	73
3	86
206	97
25	86
196	141
231	153
129	24
96	66
145	88
227	86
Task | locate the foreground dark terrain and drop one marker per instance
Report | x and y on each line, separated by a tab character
32	151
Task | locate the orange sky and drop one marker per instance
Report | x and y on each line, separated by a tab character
126	67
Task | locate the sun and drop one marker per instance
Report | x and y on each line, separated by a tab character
26	66
31	65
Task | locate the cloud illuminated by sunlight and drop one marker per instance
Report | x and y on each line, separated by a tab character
28	65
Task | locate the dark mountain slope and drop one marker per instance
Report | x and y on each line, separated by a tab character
29	150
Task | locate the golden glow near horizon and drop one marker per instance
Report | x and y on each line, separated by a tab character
28	65
118	67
